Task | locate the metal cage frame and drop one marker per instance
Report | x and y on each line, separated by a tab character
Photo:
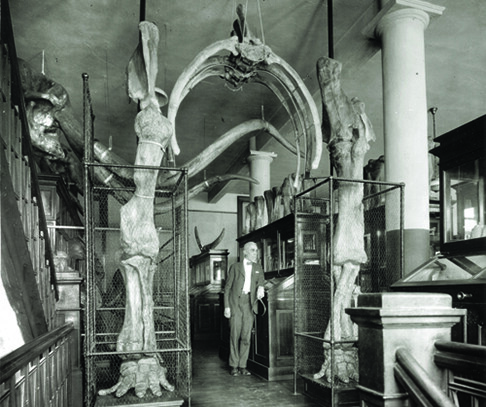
316	213
103	312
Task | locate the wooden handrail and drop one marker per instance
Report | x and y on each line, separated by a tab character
14	361
18	99
461	357
462	349
424	391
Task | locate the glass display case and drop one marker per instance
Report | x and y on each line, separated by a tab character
462	154
209	268
275	243
464	198
453	270
208	272
460	267
464	278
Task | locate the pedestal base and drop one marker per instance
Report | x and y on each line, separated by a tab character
326	396
371	398
273	373
130	400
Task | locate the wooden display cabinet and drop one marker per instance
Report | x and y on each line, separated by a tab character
272	347
208	271
66	229
462	165
66	234
275	243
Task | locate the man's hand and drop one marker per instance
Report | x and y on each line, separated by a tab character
260	293
227	312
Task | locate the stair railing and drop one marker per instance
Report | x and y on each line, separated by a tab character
466	371
39	373
466	376
417	383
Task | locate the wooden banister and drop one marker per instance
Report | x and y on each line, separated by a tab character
461	357
14	361
462	349
416	381
466	366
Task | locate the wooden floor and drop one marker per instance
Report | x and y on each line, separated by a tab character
213	386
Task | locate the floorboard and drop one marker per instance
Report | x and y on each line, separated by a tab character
213	386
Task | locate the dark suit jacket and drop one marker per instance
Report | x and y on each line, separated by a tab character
235	281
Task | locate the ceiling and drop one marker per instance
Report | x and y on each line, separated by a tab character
70	37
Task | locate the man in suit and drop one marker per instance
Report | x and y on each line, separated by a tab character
243	289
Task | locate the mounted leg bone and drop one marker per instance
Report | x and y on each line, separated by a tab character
138	236
348	132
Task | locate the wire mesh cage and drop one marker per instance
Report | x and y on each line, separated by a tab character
118	296
348	241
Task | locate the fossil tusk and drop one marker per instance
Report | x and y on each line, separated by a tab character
166	206
209	246
200	162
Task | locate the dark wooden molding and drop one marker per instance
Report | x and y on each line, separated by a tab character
18	274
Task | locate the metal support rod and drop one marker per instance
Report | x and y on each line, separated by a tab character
330	29
142	9
433	111
330	49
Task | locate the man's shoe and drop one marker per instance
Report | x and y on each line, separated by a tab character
234	371
245	372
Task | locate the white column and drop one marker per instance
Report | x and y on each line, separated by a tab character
401	31
259	162
405	109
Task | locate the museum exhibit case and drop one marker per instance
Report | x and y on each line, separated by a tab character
137	348
108	299
271	352
296	253
330	242
462	165
65	225
459	268
207	271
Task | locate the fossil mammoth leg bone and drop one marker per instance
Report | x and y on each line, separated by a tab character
348	131
138	235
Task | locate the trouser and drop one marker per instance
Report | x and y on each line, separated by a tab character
241	324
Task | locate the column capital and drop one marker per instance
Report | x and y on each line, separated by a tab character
394	10
261	155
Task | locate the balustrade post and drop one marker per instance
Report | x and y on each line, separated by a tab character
388	321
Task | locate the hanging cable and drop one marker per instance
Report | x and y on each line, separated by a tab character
261	21
233	18
244	29
107	101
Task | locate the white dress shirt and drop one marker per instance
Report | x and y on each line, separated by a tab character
247	285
